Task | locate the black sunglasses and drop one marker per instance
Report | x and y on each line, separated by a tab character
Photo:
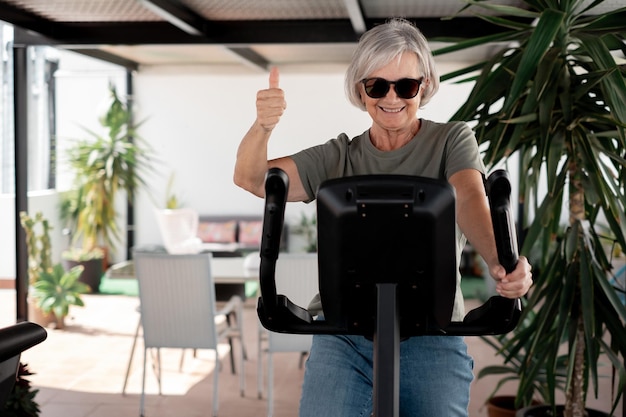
406	88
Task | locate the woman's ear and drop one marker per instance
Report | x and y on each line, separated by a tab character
361	97
425	85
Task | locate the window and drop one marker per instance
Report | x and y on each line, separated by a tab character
41	116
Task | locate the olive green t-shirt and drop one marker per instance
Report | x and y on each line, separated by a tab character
438	150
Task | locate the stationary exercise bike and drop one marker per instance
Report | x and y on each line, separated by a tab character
387	266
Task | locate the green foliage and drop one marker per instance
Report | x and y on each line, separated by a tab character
81	255
555	95
307	227
516	358
171	200
104	166
37	230
21	400
57	290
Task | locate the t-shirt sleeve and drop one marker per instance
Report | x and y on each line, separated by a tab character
462	151
319	163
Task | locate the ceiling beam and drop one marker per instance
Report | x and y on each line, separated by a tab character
26	20
355	11
177	14
107	57
244	32
250	57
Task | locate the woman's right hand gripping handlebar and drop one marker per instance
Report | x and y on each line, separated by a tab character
252	164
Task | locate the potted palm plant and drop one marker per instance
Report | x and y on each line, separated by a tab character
104	166
555	95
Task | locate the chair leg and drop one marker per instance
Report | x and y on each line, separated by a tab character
259	374
130	359
270	384
215	382
156	366
230	343
143	384
242	377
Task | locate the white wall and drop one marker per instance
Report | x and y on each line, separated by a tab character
45	201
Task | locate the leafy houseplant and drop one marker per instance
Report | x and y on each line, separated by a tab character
103	166
56	290
555	96
514	368
308	228
21	401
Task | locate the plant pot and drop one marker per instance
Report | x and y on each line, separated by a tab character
92	274
59	322
35	315
503	406
546	411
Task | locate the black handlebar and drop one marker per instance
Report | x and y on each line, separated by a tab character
498	189
276	312
17	338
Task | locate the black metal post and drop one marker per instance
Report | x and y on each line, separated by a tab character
20	111
130	203
387	353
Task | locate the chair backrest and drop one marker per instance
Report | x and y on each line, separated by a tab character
177	297
179	230
297	278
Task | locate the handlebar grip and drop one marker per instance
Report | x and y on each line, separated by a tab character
498	189
498	315
276	188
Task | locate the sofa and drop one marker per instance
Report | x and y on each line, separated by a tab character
233	235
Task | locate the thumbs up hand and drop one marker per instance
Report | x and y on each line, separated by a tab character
270	103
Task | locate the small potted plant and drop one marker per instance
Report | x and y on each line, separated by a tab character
37	230
52	289
57	289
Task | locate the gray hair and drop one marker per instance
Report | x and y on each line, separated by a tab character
381	45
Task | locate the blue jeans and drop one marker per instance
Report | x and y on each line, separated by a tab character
435	377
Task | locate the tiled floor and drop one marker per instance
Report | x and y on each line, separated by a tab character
80	370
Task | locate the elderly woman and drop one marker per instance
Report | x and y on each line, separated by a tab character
391	76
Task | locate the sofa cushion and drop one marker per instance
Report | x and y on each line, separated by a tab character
218	232
250	232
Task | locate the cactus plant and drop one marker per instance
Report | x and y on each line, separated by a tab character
38	244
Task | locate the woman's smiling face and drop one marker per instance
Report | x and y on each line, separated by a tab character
391	112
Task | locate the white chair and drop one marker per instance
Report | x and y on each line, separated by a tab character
297	278
179	230
177	306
